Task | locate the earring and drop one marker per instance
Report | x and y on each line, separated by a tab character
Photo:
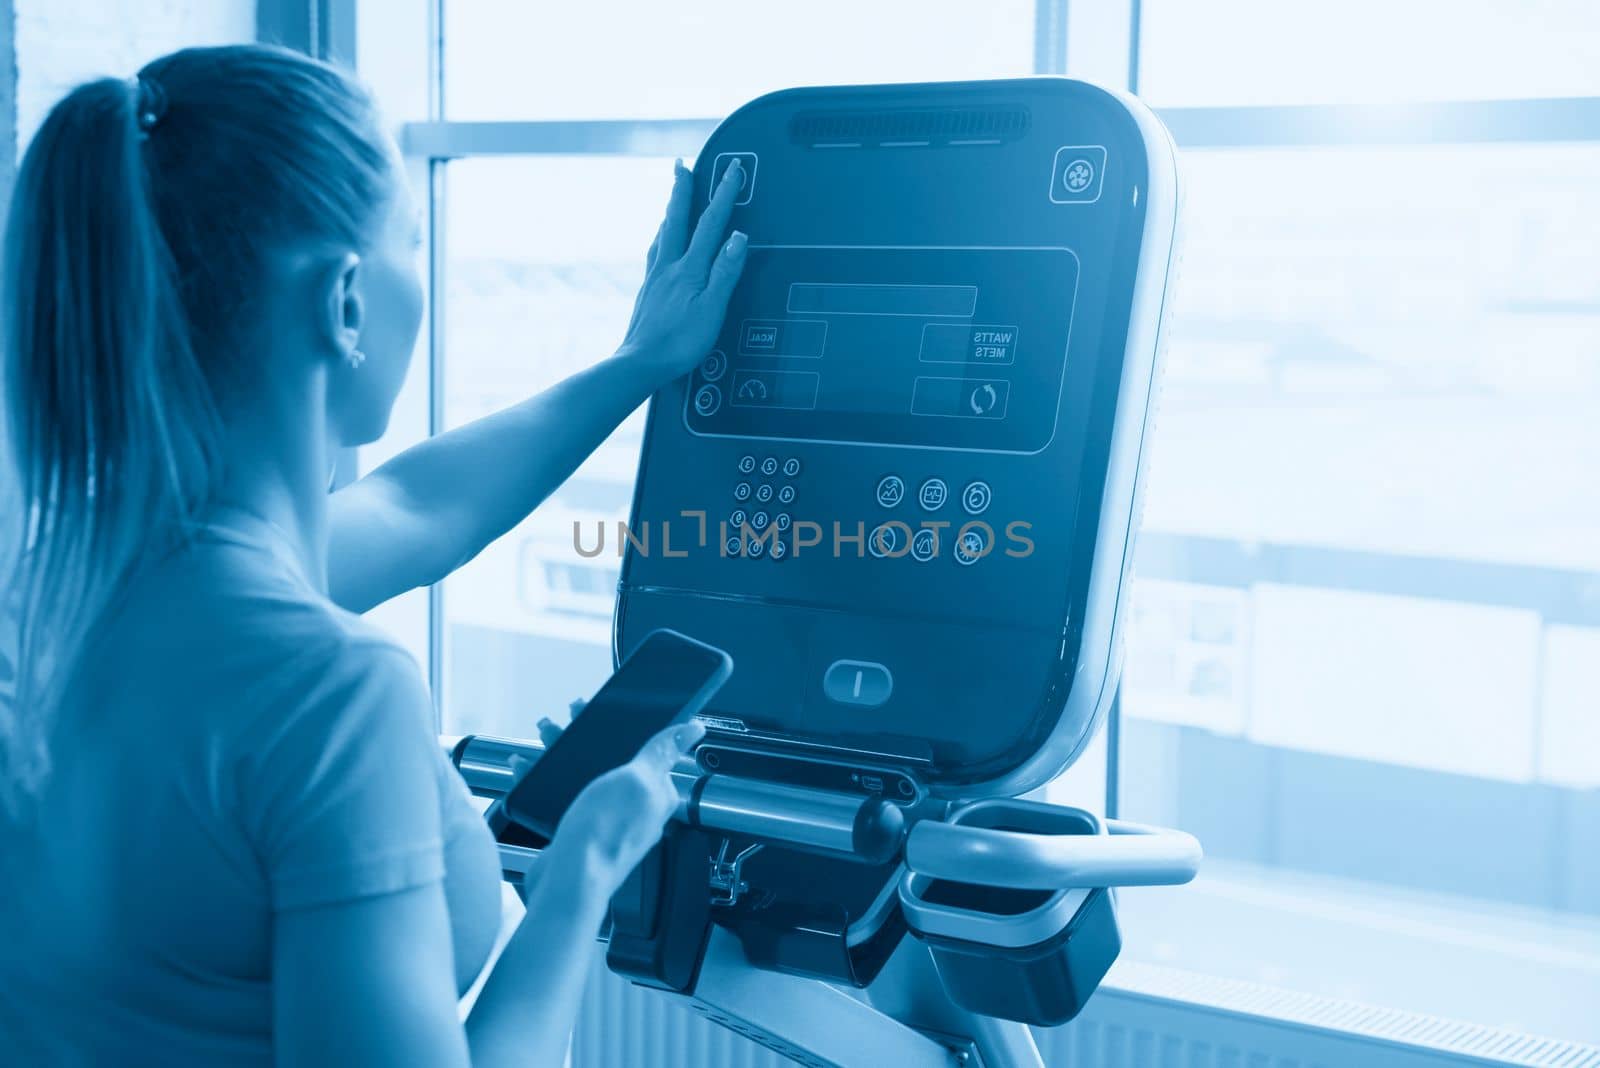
355	358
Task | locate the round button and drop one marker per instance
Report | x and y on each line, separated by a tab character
786	495
933	494
891	490
756	549
781	520
737	519
791	467
975	498
730	547
764	493
925	545
972	545
780	549
708	400
888	539
769	466
760	520
713	366
747	464
741	492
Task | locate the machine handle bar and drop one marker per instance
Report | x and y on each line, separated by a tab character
822	821
867	829
1130	854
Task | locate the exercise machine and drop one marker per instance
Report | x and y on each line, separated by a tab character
902	492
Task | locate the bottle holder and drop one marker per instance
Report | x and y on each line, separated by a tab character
1031	955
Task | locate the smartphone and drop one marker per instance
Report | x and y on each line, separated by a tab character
666	679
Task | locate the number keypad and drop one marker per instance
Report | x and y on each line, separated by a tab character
761	480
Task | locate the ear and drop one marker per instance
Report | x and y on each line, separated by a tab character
344	312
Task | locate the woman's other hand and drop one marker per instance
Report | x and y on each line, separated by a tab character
550	730
618	818
607	830
687	281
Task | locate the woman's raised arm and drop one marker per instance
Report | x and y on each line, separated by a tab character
436	506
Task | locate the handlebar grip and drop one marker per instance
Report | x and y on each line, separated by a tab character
868	829
1130	855
490	765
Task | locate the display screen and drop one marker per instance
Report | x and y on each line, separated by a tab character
961	348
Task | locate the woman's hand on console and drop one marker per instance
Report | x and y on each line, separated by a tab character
688	280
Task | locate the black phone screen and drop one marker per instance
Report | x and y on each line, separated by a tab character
667	678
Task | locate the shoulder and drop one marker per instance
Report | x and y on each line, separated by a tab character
342	678
351	714
341	783
243	625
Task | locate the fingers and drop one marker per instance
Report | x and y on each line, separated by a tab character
674	233
655	247
662	752
725	272
714	223
549	730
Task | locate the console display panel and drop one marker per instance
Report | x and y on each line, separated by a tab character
933	347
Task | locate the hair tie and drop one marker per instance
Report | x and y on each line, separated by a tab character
150	103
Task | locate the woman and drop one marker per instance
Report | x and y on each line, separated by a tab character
229	833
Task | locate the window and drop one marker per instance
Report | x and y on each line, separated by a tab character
504	59
59	45
1365	661
1379	52
533	294
1366	657
1363	649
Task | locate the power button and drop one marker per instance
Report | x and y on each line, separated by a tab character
858	682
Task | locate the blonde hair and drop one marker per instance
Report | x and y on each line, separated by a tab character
137	236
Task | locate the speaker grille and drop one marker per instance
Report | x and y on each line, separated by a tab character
930	125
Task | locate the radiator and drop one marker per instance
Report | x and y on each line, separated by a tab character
1152	1017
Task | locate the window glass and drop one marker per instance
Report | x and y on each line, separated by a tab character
57	45
1366	648
544	257
507	59
1365	51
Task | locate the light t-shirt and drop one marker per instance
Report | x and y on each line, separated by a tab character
233	746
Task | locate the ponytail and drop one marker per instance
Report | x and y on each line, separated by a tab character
111	434
141	230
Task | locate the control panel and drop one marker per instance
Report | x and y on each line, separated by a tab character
899	488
